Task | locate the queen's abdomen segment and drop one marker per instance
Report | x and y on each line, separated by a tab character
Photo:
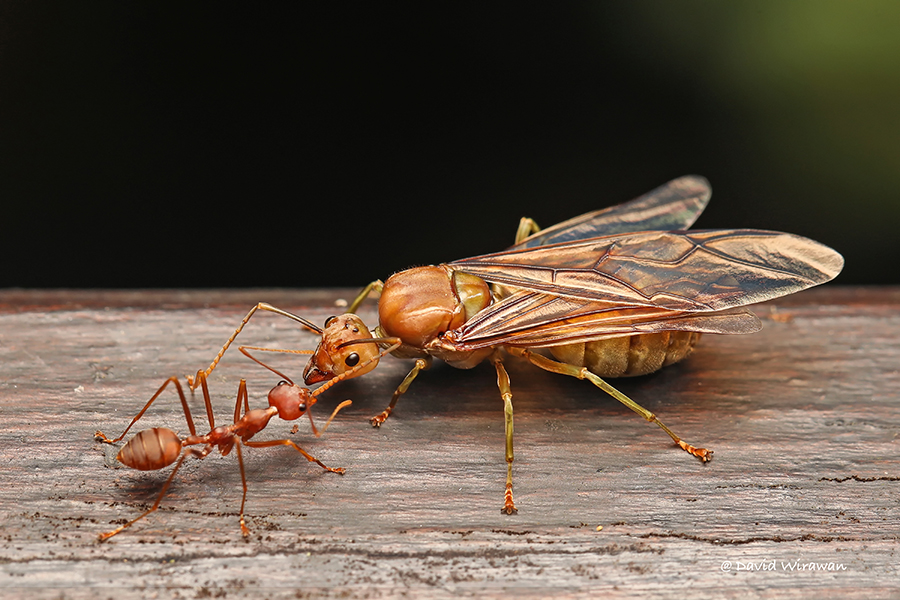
629	356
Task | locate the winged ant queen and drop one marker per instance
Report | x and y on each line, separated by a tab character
618	292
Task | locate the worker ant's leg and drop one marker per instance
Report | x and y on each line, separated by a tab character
184	405
165	487
421	365
245	531
193	382
308	456
245	350
509	506
202	453
241	398
583	373
242	394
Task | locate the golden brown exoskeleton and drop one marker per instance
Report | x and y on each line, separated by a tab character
617	292
157	448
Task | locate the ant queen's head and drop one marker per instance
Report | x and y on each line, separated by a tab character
346	343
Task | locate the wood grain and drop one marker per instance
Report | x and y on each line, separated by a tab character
804	419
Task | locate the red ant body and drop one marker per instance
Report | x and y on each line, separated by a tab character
157	448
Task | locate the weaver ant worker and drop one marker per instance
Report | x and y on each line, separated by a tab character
159	447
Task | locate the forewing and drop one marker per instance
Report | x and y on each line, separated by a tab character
535	319
673	206
699	271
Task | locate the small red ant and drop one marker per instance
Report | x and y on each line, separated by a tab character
159	447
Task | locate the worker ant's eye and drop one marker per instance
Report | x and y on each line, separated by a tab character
329	320
302	408
352	360
281	383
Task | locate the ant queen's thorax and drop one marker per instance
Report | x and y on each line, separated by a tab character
420	304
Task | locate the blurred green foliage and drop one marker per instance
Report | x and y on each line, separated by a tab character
818	81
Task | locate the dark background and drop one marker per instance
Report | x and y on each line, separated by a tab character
230	145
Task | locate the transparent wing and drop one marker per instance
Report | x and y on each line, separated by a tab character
673	206
579	289
533	319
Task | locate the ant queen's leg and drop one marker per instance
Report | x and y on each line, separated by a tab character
421	365
583	373
509	506
527	226
375	286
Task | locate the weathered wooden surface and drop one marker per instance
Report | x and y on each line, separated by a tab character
804	418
